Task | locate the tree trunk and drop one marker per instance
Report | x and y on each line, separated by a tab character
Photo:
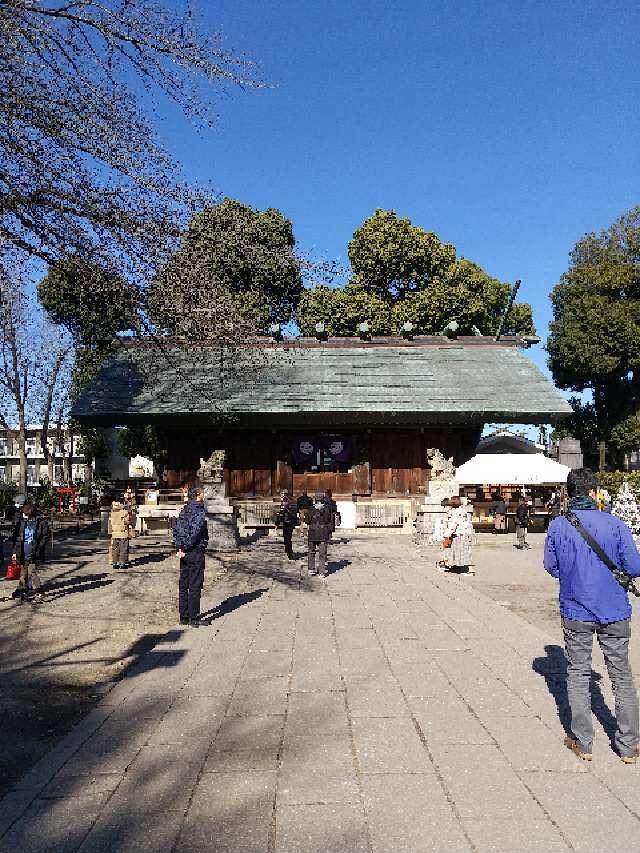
22	456
602	450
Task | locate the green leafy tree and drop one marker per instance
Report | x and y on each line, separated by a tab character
92	302
594	342
405	274
232	249
393	258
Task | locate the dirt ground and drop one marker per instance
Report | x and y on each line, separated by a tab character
55	658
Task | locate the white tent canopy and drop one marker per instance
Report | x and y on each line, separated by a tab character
517	469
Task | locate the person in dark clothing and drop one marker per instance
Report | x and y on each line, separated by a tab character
29	540
287	520
522	523
319	534
593	602
334	508
304	504
191	537
499	514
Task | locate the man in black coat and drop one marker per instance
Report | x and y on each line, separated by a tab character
191	537
522	522
287	520
319	519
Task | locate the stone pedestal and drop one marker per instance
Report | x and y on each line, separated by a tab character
221	518
431	516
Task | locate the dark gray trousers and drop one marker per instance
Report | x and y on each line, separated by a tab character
321	547
119	551
614	642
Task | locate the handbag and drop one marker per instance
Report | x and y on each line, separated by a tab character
13	571
446	542
337	519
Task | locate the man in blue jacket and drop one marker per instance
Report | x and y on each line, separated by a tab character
593	602
191	537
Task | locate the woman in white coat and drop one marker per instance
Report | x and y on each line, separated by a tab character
459	533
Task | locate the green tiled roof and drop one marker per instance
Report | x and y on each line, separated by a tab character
351	383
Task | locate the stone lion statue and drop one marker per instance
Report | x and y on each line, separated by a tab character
212	469
441	468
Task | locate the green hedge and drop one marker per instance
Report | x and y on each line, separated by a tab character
612	481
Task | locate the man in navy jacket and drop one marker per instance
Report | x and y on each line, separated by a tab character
593	602
191	537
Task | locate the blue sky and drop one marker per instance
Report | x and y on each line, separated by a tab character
508	128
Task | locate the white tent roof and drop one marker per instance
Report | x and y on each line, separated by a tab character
517	469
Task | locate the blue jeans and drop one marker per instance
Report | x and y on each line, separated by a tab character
614	642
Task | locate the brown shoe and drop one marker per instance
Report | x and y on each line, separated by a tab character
572	744
631	759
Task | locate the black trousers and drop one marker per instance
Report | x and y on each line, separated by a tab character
287	534
190	584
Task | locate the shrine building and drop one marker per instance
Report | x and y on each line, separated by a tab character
355	416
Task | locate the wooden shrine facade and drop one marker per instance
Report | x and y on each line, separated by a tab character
260	463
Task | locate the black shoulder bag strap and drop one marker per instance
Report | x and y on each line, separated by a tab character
624	578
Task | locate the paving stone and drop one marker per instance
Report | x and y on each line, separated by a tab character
589	815
357	638
317	770
356	662
483	785
245	760
134	831
62	786
161	776
410	813
321	714
528	745
375	699
331	828
229	812
507	836
53	826
420	680
315	677
445	719
246	733
259	697
389	746
265	664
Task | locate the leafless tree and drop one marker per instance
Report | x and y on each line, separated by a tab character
81	170
34	361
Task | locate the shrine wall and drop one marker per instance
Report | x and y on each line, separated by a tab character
260	463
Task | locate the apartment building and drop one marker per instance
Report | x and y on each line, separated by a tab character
63	450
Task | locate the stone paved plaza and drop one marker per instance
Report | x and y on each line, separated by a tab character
391	708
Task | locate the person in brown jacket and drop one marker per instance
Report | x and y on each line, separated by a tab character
120	534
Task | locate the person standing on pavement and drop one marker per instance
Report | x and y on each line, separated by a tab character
522	523
319	533
29	540
459	536
120	535
592	602
287	519
191	537
499	514
304	504
335	515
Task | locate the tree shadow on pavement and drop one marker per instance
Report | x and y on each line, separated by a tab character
148	558
553	668
230	604
53	591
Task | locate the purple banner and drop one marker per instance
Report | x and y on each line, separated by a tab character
305	448
338	447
